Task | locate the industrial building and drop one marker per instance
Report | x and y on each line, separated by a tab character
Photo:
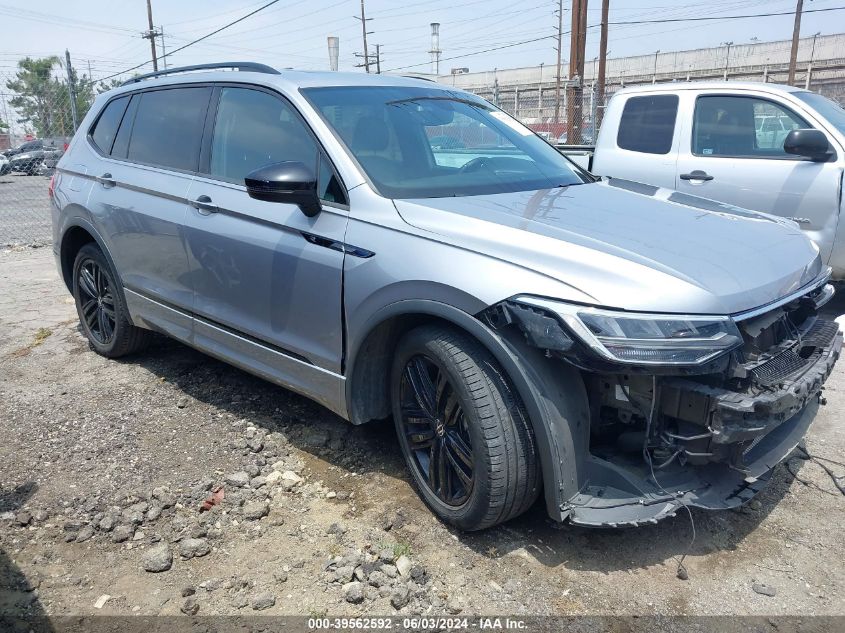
530	93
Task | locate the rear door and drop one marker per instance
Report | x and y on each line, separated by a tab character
733	152
268	279
141	199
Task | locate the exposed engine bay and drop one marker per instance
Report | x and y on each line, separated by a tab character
663	437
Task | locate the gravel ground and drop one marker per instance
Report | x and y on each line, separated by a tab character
106	468
24	210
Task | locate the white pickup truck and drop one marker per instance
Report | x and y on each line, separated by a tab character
765	147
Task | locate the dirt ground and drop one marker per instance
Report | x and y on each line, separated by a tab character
104	465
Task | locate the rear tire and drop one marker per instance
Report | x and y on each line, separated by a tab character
101	306
462	429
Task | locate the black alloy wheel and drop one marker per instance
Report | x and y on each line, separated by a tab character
436	431
96	302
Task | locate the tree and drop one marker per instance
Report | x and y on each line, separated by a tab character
43	100
105	86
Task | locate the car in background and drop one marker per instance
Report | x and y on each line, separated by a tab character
5	168
764	147
39	158
28	146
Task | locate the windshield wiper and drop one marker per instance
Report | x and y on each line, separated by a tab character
469	102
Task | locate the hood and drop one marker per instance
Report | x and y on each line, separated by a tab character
632	246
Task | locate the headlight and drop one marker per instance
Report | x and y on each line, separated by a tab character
646	339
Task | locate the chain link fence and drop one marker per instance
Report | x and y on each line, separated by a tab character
537	105
38	115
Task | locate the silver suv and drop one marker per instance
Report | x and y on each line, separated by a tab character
391	247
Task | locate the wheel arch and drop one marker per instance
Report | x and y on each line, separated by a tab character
76	234
553	393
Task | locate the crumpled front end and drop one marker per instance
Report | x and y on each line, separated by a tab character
664	437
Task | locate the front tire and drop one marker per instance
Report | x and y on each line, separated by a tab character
101	306
462	429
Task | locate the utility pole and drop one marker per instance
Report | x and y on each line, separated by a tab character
540	95
810	65
605	11
796	33
574	88
163	51
151	35
363	19
727	59
559	47
378	59
71	89
654	73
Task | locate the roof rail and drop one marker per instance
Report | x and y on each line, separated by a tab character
240	66
422	78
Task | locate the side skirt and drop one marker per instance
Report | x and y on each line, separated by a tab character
273	365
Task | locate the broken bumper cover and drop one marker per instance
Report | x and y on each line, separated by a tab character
764	428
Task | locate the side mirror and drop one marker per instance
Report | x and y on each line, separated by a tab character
812	144
290	181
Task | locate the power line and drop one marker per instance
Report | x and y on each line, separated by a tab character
486	50
199	39
718	17
629	22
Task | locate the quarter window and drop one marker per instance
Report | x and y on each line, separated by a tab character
742	127
648	124
168	127
121	141
106	127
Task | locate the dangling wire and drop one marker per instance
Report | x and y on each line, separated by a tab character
682	571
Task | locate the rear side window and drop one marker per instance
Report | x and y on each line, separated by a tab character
168	128
106	127
648	124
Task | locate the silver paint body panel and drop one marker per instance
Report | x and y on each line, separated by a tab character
244	285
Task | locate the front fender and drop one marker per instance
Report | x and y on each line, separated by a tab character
553	394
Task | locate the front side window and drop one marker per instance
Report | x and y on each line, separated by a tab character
433	143
648	124
254	129
742	127
168	127
106	127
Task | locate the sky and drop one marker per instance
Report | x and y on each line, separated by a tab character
105	35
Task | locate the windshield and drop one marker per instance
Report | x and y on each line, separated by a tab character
831	111
433	143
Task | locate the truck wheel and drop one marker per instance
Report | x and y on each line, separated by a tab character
463	431
102	308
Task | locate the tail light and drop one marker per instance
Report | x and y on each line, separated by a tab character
52	188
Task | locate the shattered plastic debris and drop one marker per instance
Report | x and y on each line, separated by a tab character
214	499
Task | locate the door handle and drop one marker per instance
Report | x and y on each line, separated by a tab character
697	174
204	204
107	181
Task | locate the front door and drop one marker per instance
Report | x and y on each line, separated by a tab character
267	279
735	155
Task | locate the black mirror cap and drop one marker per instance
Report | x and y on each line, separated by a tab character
810	143
290	182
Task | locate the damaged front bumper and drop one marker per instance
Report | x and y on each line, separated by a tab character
709	438
720	464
